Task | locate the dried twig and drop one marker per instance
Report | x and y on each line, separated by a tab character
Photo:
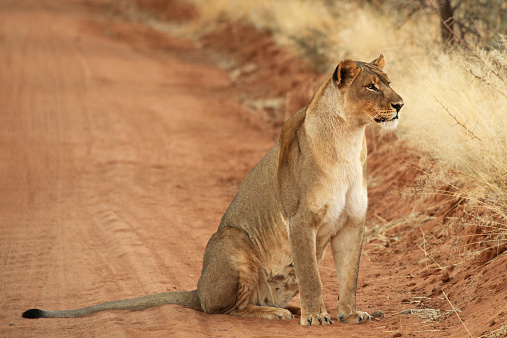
456	312
424	244
483	80
457	121
426	252
444	22
429	256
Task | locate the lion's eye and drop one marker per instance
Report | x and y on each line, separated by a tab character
372	87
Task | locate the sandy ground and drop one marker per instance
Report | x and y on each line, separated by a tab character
120	149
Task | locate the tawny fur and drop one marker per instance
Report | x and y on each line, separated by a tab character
307	192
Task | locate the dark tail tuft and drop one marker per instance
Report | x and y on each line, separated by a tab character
33	313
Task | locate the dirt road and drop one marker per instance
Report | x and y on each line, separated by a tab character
120	149
116	164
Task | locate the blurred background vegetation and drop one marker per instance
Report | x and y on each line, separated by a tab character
479	23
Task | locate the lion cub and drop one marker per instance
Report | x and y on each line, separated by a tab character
308	191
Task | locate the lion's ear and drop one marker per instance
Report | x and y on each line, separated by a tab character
345	73
380	62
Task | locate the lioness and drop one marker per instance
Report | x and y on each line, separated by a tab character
308	191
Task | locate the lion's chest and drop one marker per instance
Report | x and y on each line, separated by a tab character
341	192
342	197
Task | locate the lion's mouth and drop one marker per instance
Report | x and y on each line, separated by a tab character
383	119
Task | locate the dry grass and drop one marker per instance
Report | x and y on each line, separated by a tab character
456	102
381	230
501	332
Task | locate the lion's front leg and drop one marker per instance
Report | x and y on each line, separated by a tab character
302	242
346	247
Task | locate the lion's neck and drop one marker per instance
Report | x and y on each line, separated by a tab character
331	134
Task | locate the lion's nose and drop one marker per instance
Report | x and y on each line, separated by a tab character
397	106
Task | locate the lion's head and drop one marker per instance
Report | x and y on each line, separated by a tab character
366	93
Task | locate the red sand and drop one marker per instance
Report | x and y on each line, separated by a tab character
120	149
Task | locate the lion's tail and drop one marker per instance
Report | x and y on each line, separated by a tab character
186	298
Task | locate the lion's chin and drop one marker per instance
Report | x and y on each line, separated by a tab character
388	124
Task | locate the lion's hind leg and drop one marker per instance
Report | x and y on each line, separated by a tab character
230	272
231	275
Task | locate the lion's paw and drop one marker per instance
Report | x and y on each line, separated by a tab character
278	314
316	319
285	314
357	317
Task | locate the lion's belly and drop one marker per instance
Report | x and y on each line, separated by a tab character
276	288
